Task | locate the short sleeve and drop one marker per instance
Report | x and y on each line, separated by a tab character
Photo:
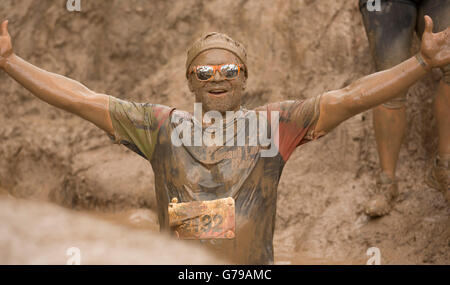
136	125
296	118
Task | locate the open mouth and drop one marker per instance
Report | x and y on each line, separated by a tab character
218	92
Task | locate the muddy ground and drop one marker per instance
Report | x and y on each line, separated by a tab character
135	50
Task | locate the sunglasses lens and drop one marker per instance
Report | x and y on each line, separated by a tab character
230	70
204	72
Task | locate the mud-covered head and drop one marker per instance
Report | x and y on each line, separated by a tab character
216	69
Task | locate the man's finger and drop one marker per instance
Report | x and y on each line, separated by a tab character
5	28
428	24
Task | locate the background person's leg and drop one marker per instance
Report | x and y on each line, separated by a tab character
439	172
390	33
442	113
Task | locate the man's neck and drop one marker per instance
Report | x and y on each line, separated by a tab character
207	121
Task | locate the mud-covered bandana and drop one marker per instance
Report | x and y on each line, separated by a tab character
219	41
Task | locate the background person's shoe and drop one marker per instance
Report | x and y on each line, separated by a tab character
386	192
438	176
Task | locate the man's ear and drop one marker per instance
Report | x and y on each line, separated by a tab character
244	84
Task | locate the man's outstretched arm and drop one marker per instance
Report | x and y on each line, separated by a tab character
54	89
372	90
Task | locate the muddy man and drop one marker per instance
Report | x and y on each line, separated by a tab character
390	32
222	197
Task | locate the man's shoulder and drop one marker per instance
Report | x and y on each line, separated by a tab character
279	105
143	106
176	113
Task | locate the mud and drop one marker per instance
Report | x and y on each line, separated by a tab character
43	233
135	50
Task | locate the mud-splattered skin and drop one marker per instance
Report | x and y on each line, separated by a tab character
201	173
229	101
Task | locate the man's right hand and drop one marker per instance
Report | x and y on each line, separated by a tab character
5	44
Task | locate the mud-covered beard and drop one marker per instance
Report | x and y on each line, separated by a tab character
230	101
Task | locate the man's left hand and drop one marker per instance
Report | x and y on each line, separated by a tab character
435	48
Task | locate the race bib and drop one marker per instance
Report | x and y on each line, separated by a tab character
203	219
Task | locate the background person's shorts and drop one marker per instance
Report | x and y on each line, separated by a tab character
391	31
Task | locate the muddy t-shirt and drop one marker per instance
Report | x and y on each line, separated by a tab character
203	173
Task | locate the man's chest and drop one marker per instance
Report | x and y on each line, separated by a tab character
205	173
